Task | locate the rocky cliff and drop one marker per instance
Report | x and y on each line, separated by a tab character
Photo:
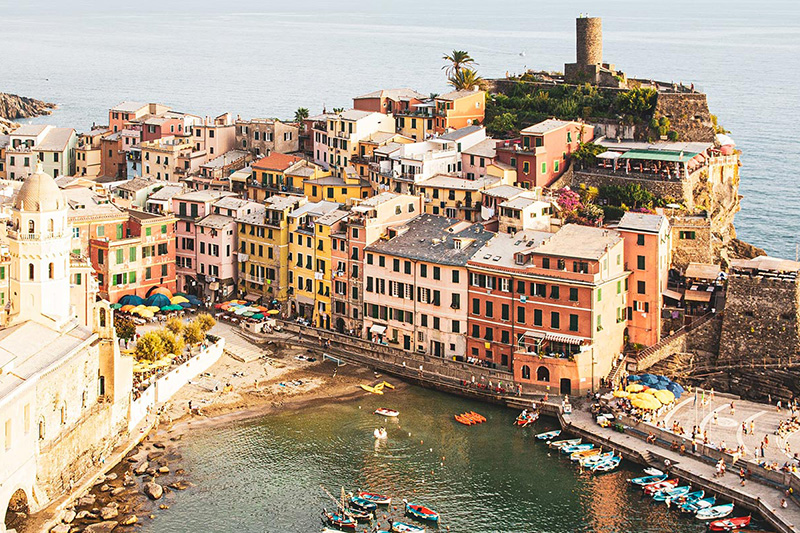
14	107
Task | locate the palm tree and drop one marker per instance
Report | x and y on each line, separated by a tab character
458	59
300	115
338	110
466	79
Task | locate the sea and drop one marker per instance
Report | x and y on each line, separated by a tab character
266	58
268	474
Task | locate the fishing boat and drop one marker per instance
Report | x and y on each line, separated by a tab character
646	480
607	465
653	471
339	520
712	513
661	485
691	497
584	454
672	494
526	418
566	442
588	462
421	512
359	515
729	524
383	411
362	503
697	505
379	499
549	435
574	448
402	527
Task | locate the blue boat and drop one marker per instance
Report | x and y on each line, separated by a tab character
713	513
697	505
572	448
646	480
607	465
588	462
363	504
691	497
550	435
672	494
420	512
402	527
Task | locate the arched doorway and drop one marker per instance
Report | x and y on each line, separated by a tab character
17	511
526	372
542	374
340	325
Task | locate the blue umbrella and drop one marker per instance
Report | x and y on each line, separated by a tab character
185	304
675	389
633	378
158	300
131	299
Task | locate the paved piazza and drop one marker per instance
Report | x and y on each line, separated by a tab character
727	428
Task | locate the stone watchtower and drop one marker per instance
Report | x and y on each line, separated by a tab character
589	66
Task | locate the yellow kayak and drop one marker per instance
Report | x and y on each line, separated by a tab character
387	385
373	390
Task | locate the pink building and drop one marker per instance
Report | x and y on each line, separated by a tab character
541	153
317	126
415	293
214	136
648	246
477	158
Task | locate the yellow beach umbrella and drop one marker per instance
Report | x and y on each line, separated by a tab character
620	394
634	387
665	396
178	300
146	313
651	392
153	308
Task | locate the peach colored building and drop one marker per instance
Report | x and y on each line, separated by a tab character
416	285
459	109
88	153
648	245
541	154
550	307
213	136
388	101
121	115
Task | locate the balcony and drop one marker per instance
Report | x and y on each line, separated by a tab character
45	236
252	278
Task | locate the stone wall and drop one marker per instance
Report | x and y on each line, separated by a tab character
762	321
700	338
679	190
688	114
687	250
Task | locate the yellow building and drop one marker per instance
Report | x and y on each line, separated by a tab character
264	250
417	124
340	190
347	129
309	260
455	197
88	160
160	157
278	174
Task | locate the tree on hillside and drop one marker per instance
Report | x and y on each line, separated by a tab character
503	125
466	79
124	326
458	59
150	346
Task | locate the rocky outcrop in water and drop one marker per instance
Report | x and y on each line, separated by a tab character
13	107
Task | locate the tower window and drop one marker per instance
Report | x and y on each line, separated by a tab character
51	270
30	272
31	226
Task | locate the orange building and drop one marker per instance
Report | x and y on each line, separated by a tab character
388	101
648	245
459	109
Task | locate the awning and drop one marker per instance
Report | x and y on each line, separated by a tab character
698	296
608	154
702	271
675	295
378	329
566	339
250	297
659	155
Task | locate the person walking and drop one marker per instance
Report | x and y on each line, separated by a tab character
733	409
752	427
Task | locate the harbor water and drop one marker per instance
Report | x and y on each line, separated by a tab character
264	474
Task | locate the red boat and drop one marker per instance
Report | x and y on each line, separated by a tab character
729	524
655	487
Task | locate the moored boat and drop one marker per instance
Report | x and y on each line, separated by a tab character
549	435
373	390
653	471
672	494
697	505
383	411
402	527
608	465
379	499
339	520
717	511
359	515
569	450
588	462
729	524
584	454
565	442
421	512
646	480
526	418
363	504
691	497
661	485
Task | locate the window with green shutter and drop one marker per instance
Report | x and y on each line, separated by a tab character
148	231
163	270
132	254
131	277
101	231
147	273
544	168
120	256
119	231
163	229
2	272
78	278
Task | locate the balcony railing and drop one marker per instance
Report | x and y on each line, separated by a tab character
44	236
252	278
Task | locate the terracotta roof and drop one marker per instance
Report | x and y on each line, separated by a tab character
276	161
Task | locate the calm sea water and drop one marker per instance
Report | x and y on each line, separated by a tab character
265	474
267	58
